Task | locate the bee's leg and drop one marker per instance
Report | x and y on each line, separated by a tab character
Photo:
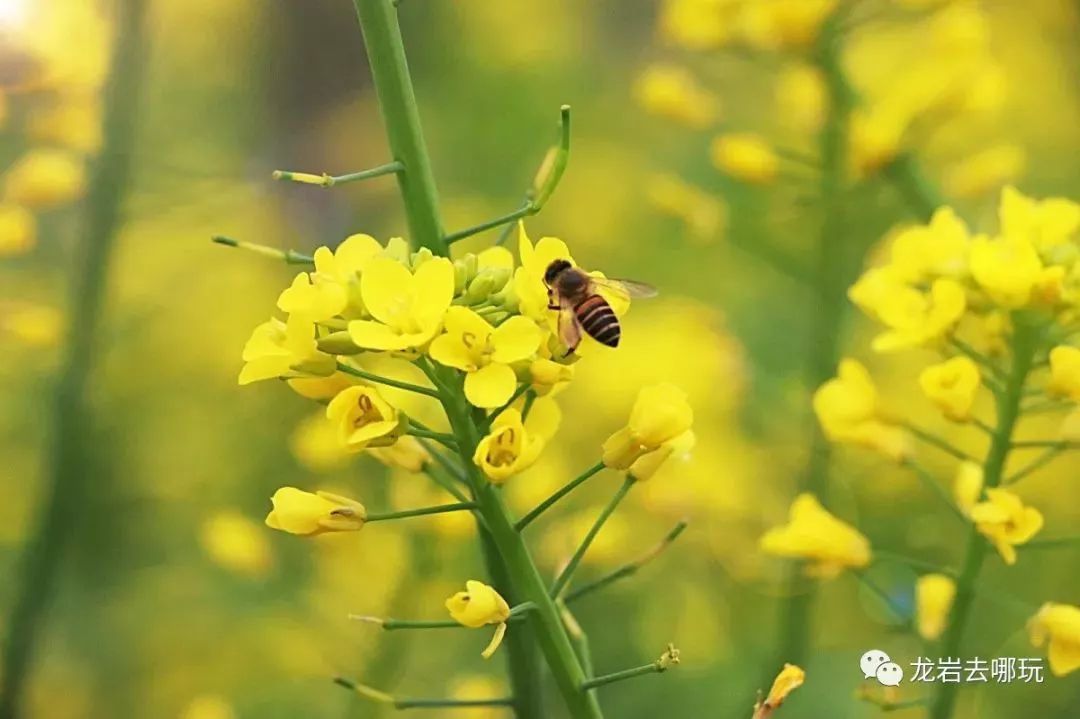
553	307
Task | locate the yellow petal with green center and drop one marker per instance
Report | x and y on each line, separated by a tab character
490	386
384	287
515	339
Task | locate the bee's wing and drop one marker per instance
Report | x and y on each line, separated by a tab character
625	288
569	328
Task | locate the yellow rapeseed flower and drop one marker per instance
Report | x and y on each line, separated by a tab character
529	277
1042	224
312	300
485	353
817	536
31	324
952	386
801	97
746	157
509	448
914	318
967	486
790	678
73	121
1060	625
986	170
647	465
1065	372
407	307
934	595
344	265
695	24
364	419
477	606
308	514
936	249
18	229
1006	522
674	93
548	376
704	215
847	408
1007	268
661	415
45	178
284	349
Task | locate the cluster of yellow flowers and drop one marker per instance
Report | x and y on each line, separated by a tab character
475	336
954	83
62	59
999	309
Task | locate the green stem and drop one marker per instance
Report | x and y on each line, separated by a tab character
65	487
936	487
446	440
412	703
1036	464
506	219
630	568
1025	344
559	494
325	180
349	369
1053	543
654	668
830	283
549	630
935	441
397	102
289	257
422	511
918	192
571	566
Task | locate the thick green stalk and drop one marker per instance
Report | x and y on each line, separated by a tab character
65	486
547	624
830	285
397	102
1025	344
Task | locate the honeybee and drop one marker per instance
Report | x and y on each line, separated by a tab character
581	307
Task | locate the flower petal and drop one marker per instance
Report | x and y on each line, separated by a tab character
490	386
382	287
449	350
376	336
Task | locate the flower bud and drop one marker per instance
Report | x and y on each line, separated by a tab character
338	343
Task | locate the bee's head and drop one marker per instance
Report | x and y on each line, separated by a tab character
554	270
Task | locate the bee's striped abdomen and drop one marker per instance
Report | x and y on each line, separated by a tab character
598	320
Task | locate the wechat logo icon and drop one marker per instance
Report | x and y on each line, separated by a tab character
876	664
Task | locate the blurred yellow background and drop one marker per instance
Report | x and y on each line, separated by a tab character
174	600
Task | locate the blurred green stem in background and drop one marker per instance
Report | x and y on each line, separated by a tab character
1026	340
509	562
64	489
829	287
917	190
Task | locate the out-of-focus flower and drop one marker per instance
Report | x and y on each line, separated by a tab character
847	408
746	157
235	542
1042	224
914	318
485	353
208	706
509	448
308	514
876	137
674	93
72	120
1006	522
1065	372
801	97
407	454
476	687
937	249
316	445
284	349
478	606
18	229
967	486
934	594
1007	268
1058	624
984	171
703	214
790	678
817	536
695	24
31	324
364	419
952	386
660	415
45	178
407	307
